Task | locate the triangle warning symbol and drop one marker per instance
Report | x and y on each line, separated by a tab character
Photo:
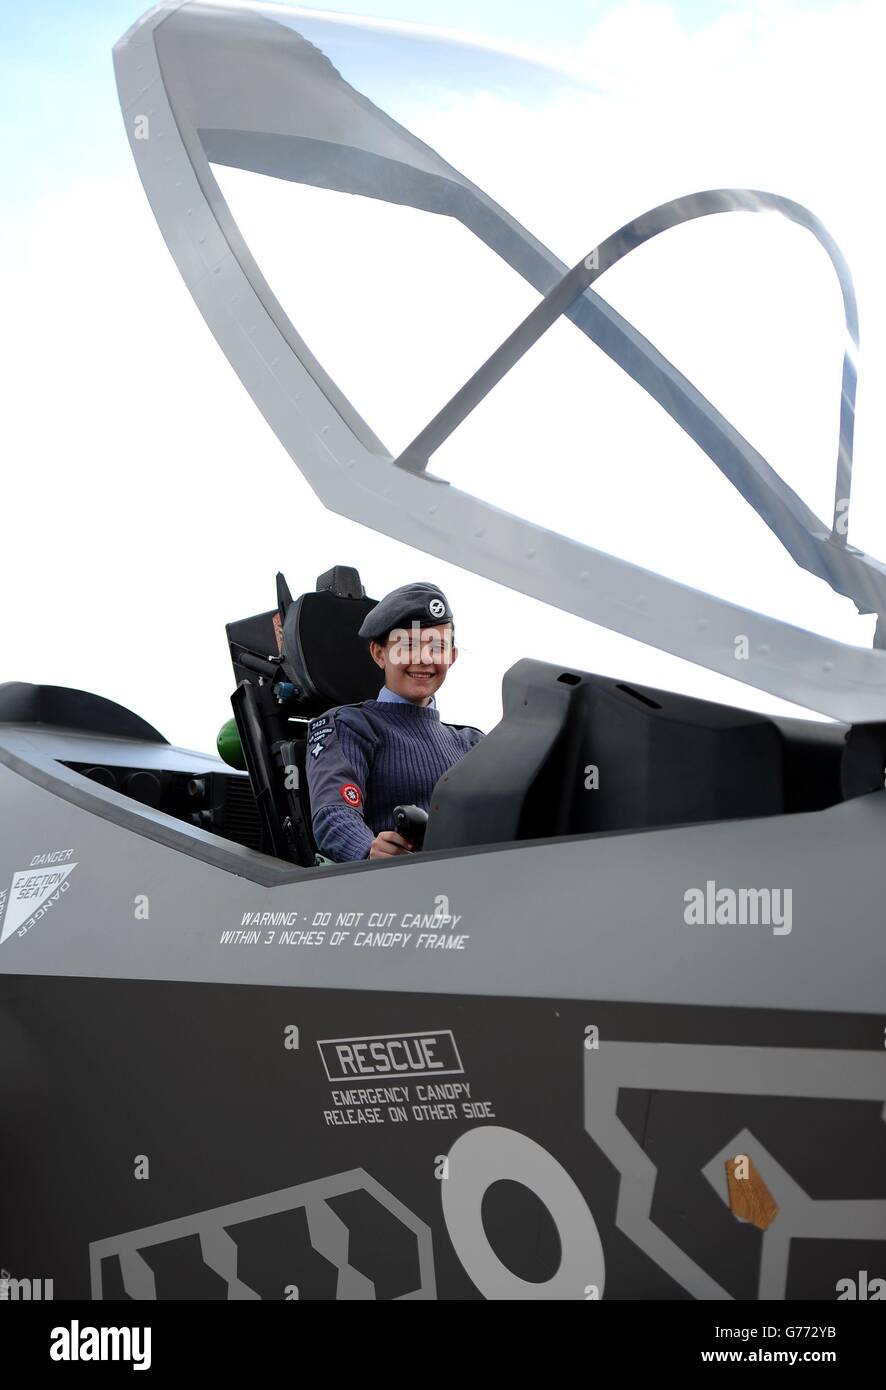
29	890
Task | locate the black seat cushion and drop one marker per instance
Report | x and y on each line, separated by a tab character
322	654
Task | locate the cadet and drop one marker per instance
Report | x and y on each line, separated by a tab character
365	759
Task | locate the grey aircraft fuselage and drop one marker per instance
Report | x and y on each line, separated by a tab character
551	1013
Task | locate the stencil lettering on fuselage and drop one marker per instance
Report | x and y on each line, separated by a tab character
31	894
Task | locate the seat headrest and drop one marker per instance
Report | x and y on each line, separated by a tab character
323	655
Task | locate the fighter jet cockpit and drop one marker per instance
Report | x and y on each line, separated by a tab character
668	759
653	758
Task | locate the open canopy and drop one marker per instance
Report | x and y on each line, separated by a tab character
296	96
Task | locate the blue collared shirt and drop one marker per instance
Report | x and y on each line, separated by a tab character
386	696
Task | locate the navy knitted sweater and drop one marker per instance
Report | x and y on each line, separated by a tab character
365	759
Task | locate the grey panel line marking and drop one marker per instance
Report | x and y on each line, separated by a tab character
753	1071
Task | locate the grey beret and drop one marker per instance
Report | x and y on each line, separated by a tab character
421	603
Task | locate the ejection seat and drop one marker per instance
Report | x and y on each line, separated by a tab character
291	664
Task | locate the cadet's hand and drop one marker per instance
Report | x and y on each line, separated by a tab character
388	843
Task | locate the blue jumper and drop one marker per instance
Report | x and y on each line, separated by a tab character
365	759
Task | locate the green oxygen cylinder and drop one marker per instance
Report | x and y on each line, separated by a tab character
229	745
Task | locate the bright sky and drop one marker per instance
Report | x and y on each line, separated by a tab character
145	502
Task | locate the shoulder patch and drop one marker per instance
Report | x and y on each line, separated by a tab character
352	794
318	732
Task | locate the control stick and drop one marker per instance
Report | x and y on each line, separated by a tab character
411	822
